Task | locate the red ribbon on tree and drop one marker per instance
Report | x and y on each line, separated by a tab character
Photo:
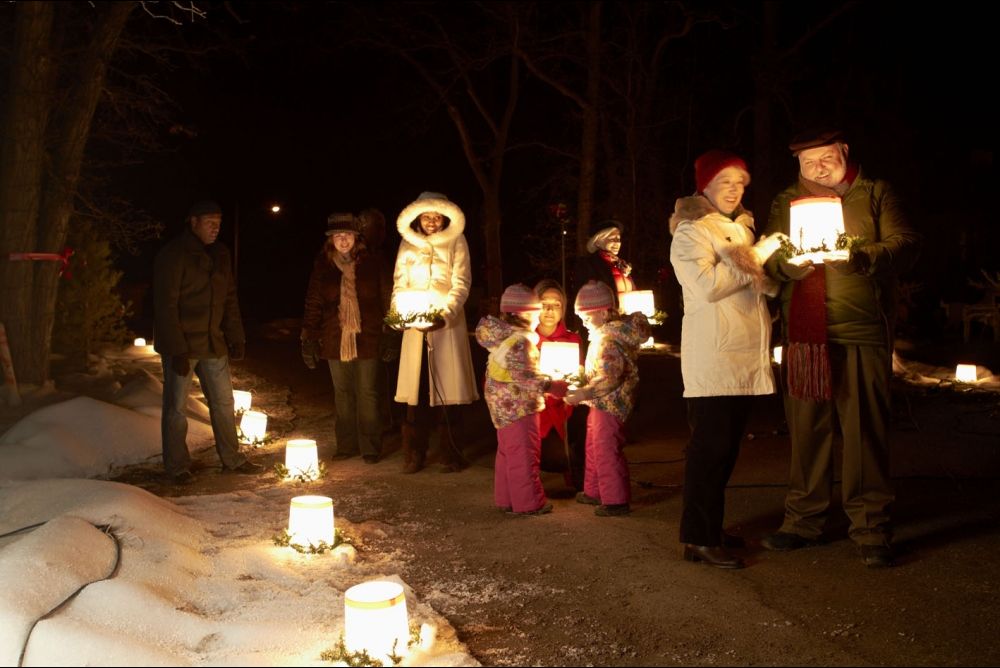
50	257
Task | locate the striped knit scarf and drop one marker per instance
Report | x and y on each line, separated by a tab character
349	312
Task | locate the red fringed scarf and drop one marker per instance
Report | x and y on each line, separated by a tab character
809	375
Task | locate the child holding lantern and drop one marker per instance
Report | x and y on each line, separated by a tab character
515	392
613	374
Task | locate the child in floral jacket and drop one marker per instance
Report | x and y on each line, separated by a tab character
613	375
515	395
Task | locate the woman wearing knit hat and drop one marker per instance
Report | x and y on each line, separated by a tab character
725	342
612	371
602	262
433	257
342	324
515	392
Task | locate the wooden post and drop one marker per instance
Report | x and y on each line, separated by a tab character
9	380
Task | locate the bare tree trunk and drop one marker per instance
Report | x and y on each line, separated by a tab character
22	165
588	137
71	129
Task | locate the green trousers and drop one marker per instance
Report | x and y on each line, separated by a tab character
860	407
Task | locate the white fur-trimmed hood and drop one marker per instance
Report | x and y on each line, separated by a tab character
445	207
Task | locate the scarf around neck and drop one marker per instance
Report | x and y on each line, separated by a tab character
349	312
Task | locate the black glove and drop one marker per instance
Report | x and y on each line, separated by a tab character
181	364
794	272
310	352
237	351
857	262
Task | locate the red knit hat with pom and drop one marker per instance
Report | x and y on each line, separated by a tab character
710	163
519	298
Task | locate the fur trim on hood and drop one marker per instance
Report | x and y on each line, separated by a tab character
698	206
445	207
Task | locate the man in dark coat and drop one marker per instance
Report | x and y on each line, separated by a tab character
197	327
838	333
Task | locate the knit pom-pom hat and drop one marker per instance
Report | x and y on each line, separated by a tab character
519	298
594	296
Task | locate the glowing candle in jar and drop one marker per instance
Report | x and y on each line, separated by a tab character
776	353
254	426
815	221
375	620
965	373
241	401
310	521
413	302
559	359
139	342
301	457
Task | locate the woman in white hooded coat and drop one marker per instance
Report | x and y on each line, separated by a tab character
725	342
433	257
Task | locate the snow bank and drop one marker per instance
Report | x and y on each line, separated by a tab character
199	582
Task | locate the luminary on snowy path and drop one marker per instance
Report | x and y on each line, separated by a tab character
241	401
965	373
310	521
139	342
411	303
816	222
559	359
375	620
254	427
776	354
638	300
301	458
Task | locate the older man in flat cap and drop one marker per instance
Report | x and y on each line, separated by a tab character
838	330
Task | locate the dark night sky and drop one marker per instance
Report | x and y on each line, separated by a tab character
310	120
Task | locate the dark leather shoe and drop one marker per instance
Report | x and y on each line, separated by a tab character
247	467
877	556
712	556
732	541
583	497
612	510
782	541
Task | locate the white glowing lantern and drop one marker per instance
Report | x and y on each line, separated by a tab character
559	359
965	373
241	401
776	354
638	300
413	302
254	426
813	222
375	620
139	342
310	521
301	457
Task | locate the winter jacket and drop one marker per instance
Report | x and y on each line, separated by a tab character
860	308
515	388
726	330
594	267
612	365
321	316
556	410
196	312
438	263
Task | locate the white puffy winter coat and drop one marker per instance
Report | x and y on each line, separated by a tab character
726	331
438	263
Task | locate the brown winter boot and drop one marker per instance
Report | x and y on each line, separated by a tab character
414	448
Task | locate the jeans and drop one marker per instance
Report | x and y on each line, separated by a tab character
355	397
218	388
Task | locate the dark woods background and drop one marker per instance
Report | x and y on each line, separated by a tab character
533	117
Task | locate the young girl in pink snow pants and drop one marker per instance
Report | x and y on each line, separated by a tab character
515	394
613	375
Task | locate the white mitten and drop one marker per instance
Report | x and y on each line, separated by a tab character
767	245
